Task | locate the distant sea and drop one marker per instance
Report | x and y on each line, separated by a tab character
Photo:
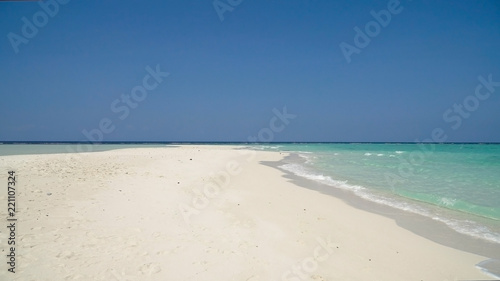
457	184
16	148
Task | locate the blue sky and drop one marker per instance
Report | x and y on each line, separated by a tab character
226	76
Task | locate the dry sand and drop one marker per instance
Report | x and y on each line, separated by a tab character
159	214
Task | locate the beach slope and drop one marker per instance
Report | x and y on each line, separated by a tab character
200	212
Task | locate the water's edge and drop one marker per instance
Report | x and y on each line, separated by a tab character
423	226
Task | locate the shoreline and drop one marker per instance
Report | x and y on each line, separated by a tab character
421	225
119	215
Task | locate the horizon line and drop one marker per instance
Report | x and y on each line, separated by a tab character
234	142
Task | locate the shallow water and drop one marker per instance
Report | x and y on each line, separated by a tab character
457	184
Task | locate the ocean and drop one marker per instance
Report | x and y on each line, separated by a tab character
15	148
456	184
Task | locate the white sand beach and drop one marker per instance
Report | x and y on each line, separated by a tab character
200	212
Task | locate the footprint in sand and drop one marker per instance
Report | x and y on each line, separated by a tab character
150	268
160	253
243	246
65	255
120	276
74	277
317	277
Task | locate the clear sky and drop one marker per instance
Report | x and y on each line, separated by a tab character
70	67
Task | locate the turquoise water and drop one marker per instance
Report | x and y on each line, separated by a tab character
458	184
